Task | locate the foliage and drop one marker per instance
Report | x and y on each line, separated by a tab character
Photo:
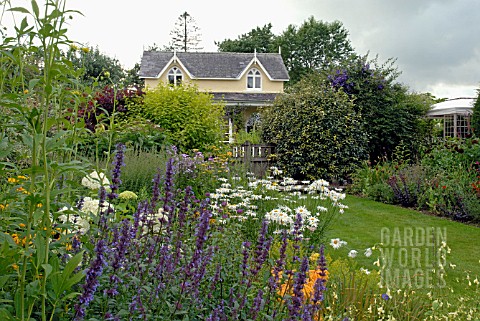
107	102
254	137
445	180
185	35
476	115
313	46
316	131
132	77
371	181
189	118
96	67
38	275
260	39
391	116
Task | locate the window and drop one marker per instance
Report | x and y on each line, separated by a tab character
175	76
254	79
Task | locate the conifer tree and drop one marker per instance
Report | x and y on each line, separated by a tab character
186	34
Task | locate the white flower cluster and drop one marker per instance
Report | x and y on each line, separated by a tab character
284	215
91	205
95	180
81	223
157	223
276	171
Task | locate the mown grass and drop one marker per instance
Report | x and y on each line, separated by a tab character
361	226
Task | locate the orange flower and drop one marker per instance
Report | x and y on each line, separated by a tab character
308	287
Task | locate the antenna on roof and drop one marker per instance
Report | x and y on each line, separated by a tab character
255	55
174	54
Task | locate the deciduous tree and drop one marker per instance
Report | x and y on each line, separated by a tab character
313	46
260	39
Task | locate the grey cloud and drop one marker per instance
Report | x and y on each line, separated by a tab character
434	41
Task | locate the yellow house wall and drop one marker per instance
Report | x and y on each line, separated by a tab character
237	86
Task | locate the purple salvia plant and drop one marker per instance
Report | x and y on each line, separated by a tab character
215	279
278	268
102	195
257	304
294	303
136	306
91	281
319	286
168	191
181	217
138	217
120	248
116	171
155	190
244	267
262	249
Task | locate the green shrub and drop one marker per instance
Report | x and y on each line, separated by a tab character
316	131
190	119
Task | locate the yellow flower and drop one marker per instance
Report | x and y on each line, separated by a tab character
86	49
25	91
22	225
314	257
39	205
73	47
22	190
68	247
12	180
3	207
15	266
22	177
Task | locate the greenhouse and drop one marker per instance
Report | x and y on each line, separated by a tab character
456	115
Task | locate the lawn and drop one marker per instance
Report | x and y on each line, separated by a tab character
362	224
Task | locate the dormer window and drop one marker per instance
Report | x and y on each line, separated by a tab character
254	79
175	76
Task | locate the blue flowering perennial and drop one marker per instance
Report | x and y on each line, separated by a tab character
116	171
91	281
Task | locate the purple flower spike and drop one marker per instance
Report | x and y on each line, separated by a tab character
117	164
91	281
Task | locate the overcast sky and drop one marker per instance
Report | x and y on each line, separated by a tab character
436	42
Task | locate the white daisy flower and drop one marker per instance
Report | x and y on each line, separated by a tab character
368	252
352	253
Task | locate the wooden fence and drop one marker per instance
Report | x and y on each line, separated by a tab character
255	157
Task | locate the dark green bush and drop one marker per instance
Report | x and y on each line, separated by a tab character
391	116
316	131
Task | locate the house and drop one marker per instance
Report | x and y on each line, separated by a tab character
243	81
456	115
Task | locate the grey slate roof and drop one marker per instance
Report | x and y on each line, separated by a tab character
224	65
254	99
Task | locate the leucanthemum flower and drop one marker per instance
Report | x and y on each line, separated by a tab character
352	253
368	252
337	243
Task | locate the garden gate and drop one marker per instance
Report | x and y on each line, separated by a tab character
256	157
